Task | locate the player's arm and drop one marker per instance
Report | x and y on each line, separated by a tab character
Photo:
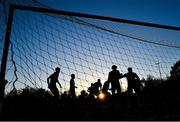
52	75
48	79
75	86
59	84
122	76
119	75
137	77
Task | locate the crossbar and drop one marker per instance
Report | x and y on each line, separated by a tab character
53	11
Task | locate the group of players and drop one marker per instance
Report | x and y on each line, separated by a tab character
95	88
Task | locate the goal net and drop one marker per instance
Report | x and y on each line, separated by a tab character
86	47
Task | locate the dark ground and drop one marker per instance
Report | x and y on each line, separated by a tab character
40	106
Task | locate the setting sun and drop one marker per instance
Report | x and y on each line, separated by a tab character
101	96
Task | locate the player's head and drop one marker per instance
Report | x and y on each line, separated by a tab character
114	67
129	69
57	69
99	80
73	76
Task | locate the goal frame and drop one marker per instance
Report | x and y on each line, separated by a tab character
13	8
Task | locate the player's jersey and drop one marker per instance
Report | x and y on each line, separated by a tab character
131	77
114	76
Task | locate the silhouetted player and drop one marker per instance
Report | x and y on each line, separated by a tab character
105	87
113	78
72	86
97	87
133	81
52	84
91	90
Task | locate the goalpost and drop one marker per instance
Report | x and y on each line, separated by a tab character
39	39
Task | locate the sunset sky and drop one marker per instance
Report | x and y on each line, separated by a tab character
43	42
152	11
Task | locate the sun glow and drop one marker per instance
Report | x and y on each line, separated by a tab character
101	96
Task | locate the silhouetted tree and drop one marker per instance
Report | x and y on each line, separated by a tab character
174	82
175	71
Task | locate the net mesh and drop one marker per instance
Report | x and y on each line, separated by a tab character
40	42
